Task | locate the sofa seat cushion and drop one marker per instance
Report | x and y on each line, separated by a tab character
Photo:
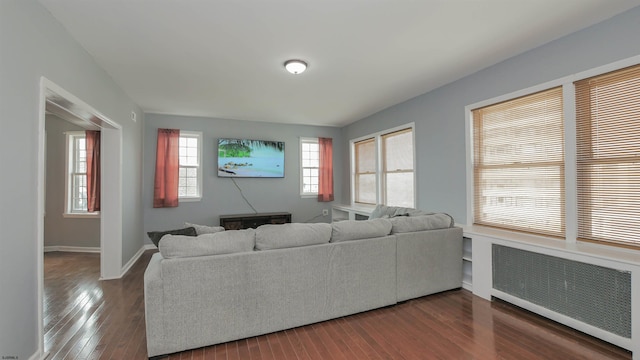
363	229
291	235
224	242
405	224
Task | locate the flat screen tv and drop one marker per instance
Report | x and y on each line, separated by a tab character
250	158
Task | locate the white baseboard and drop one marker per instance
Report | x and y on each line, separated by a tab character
39	355
72	249
133	260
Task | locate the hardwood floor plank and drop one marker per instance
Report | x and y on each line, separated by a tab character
85	318
298	348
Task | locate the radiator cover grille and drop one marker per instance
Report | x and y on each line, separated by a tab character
595	295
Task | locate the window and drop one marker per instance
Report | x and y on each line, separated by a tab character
608	157
365	172
76	179
190	173
383	168
310	162
519	164
397	150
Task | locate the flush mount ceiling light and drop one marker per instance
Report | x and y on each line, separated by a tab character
295	66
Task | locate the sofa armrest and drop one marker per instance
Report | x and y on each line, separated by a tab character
154	304
428	262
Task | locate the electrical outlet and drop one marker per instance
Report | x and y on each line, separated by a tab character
325	212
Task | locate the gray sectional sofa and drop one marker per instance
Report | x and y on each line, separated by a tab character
235	284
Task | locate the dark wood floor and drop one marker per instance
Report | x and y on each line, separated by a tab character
89	319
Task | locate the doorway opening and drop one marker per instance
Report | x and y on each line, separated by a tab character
53	96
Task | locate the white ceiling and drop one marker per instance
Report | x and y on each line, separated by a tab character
224	58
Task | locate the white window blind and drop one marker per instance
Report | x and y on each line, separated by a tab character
397	150
608	157
365	171
519	164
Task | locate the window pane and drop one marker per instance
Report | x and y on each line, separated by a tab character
399	189
366	188
365	156
398	151
523	198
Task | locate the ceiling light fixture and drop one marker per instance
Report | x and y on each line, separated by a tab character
295	66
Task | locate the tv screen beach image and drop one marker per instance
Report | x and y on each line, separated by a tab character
250	158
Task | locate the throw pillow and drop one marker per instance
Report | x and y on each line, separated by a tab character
204	229
155	236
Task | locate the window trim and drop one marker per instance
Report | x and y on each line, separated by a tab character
70	137
571	206
198	135
304	194
379	172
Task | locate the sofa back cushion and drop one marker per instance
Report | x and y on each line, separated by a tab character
291	235
404	224
224	242
353	229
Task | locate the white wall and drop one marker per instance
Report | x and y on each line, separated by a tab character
439	115
33	45
60	230
220	196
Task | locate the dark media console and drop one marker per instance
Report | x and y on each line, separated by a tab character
246	221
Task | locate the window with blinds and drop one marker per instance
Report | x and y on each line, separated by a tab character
383	168
365	171
519	164
397	150
608	157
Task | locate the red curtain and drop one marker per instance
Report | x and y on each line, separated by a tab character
325	175
165	188
93	170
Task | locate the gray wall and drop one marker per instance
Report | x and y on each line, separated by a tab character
60	230
34	44
439	115
220	196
